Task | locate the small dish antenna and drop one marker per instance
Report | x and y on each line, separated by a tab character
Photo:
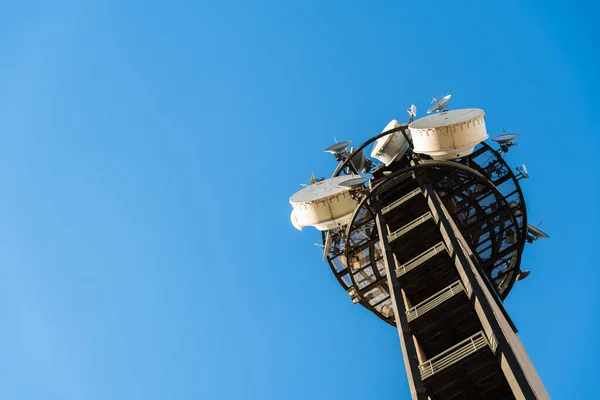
412	112
354	183
523	274
506	140
523	173
338	149
439	105
535	233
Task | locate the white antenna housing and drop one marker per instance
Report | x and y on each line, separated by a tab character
412	111
449	134
325	205
390	147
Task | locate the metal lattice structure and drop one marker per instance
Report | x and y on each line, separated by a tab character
486	200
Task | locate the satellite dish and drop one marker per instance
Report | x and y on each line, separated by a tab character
537	232
506	141
337	148
439	105
505	138
354	182
412	112
523	274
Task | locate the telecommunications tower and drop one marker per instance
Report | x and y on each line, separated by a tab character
428	235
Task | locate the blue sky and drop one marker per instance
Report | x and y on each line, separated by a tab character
148	151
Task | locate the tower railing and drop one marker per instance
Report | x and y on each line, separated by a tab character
453	355
433	301
410	226
420	259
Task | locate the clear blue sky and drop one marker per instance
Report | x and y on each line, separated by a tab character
148	151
